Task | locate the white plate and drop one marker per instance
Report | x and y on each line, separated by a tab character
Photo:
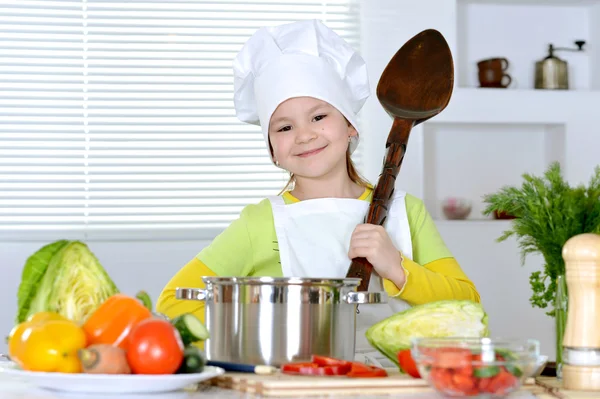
109	383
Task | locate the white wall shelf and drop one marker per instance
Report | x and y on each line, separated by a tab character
534	2
488	105
470	160
505	223
521	31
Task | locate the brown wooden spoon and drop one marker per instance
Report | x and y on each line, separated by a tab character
415	86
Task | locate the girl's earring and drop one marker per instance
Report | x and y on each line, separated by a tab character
349	139
276	163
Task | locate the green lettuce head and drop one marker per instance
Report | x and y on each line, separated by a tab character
449	318
63	277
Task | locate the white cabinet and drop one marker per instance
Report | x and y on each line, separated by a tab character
488	138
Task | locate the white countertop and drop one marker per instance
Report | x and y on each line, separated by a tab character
15	389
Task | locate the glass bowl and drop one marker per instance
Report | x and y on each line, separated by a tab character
475	367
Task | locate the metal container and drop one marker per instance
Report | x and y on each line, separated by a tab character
552	73
271	321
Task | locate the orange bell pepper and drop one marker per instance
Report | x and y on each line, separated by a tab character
112	322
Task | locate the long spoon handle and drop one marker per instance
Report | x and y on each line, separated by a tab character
384	190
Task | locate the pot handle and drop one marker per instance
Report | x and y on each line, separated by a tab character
363	297
191	294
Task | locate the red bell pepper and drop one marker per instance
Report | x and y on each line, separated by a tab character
361	370
323	365
408	364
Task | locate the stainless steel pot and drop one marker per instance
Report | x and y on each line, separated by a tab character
265	320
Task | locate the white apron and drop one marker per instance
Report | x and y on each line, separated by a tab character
314	239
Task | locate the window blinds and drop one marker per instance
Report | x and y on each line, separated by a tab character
117	119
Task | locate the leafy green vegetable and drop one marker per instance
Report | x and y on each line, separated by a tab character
74	284
438	319
33	271
548	212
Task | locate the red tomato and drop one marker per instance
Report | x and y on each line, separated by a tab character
452	357
408	364
155	348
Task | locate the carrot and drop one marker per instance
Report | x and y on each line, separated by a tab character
103	359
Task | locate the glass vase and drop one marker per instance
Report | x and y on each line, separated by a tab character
561	308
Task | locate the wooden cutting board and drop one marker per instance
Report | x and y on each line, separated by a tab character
554	387
290	385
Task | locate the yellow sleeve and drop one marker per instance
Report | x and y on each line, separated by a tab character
435	281
433	274
190	276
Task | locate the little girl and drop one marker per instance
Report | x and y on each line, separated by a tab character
304	86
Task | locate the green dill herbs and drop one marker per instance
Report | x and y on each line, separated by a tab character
548	212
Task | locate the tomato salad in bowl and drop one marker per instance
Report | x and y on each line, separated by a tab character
475	367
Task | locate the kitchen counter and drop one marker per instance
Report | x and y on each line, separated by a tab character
15	387
11	388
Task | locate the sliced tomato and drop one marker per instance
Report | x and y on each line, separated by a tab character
322	365
341	369
314	369
296	367
408	364
463	383
327	361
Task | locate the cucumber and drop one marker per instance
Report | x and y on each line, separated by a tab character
486	371
190	328
193	361
510	357
514	370
507	354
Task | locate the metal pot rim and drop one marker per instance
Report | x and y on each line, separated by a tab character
348	282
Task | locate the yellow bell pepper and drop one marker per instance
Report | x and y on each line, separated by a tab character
14	338
45	316
47	345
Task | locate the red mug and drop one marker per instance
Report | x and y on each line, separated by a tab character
492	73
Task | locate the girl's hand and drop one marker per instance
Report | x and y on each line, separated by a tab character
372	242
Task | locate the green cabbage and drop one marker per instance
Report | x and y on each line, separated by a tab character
63	277
450	318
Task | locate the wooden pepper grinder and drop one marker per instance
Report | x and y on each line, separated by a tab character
581	343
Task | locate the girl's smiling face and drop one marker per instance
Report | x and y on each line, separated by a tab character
309	137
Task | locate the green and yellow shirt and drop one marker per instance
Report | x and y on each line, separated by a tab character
248	247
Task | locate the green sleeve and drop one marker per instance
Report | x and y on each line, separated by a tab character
230	253
427	242
246	247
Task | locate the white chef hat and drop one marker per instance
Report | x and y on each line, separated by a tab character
303	58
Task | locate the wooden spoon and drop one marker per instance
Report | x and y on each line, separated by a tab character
416	85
